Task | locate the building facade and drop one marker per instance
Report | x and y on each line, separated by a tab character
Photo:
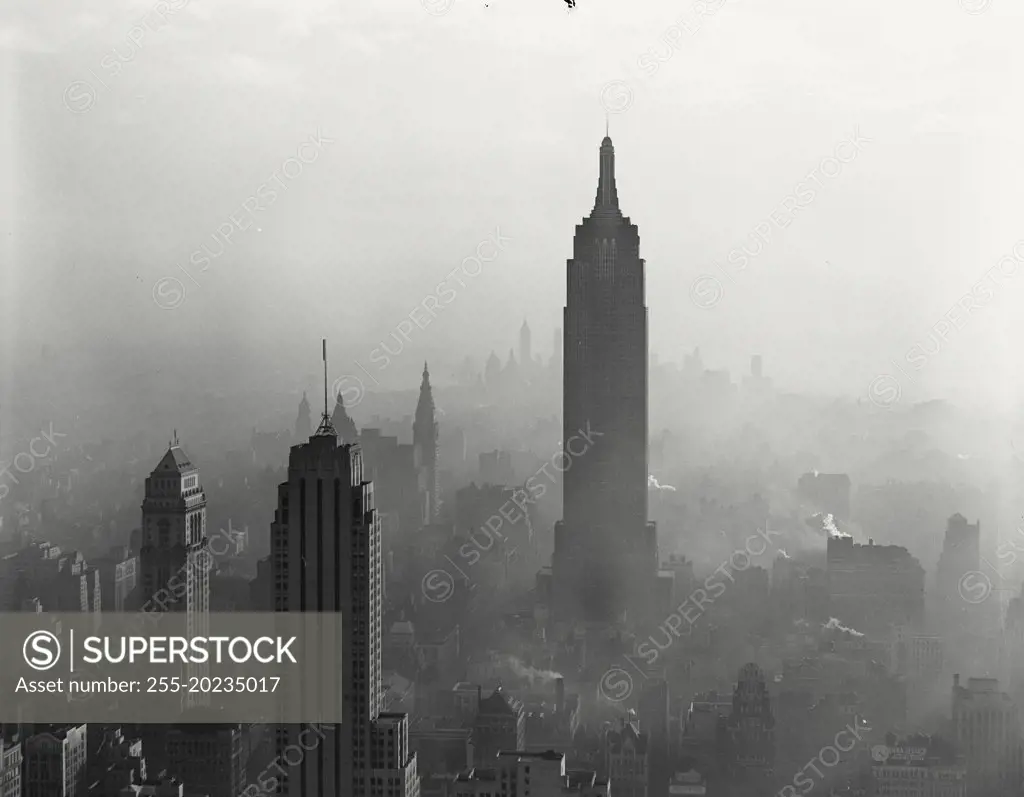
326	557
986	731
874	587
605	558
208	758
174	555
10	767
54	763
918	767
500	725
522	774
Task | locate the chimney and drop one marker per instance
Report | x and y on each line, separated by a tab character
559	694
956	681
479	696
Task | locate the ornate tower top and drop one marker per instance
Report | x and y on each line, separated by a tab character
606	204
425	405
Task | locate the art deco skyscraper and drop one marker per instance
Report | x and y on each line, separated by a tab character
605	559
424	438
173	538
326	557
174	572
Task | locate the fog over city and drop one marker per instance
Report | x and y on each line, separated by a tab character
638	382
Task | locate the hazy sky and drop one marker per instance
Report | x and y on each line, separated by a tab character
436	129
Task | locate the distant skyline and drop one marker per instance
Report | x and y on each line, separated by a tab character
447	127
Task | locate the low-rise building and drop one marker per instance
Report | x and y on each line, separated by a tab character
918	767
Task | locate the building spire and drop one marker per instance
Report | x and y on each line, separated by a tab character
607	201
424	438
343	424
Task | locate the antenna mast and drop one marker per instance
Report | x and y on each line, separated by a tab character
326	427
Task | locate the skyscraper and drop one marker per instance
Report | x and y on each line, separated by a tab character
605	555
173	575
343	423
525	349
303	422
424	438
173	569
326	557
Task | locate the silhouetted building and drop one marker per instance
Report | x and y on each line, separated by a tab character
343	424
605	559
424	436
118	572
303	421
752	728
525	350
627	759
500	724
986	731
400	498
655	715
1013	647
492	373
874	587
61	581
961	554
326	557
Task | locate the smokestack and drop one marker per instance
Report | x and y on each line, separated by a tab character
559	694
479	696
956	680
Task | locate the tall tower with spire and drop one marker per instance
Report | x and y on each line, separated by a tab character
605	560
304	421
424	439
525	349
326	557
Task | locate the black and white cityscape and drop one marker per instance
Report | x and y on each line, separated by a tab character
623	455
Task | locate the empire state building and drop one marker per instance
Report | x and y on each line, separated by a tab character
605	562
